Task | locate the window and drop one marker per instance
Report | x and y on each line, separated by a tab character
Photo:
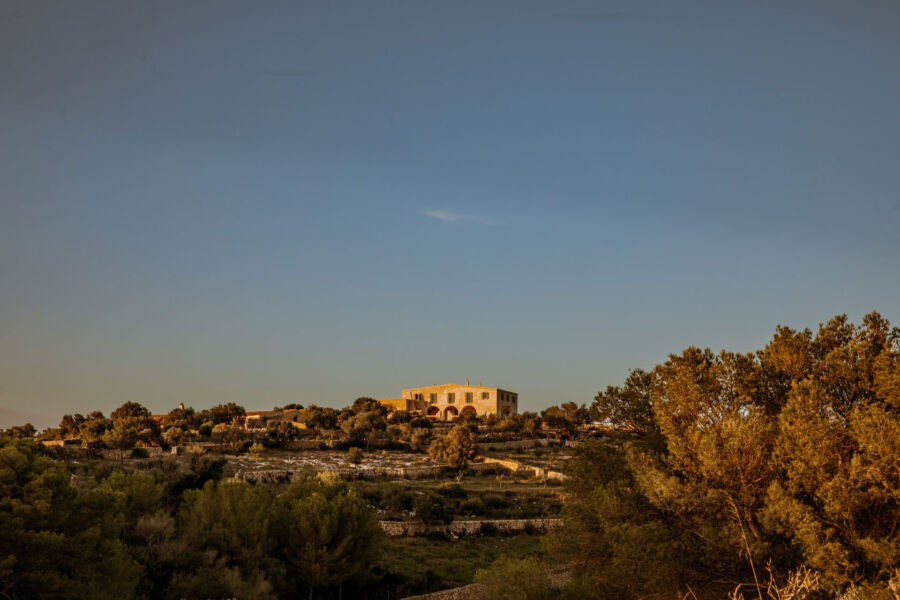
485	395
418	396
469	397
432	398
451	398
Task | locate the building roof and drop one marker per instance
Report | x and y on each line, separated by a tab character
444	386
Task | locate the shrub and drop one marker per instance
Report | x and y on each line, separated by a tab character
140	453
452	490
421	423
356	455
488	528
509	578
473	506
396	499
432	509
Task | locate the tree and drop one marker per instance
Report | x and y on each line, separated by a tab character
225	413
129	410
329	536
54	541
556	418
228	529
320	418
21	431
629	406
359	426
226	433
93	429
366	404
456	449
183	418
173	435
121	437
279	433
786	454
433	509
70	426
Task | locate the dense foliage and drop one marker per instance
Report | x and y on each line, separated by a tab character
167	531
787	456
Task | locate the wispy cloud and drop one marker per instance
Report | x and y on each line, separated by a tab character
452	217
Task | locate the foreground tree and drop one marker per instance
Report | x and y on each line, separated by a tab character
55	542
786	455
328	536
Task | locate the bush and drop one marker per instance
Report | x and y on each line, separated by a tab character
140	453
356	455
488	528
421	423
509	578
452	490
473	506
396	499
432	509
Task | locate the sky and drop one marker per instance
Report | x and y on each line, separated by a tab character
273	202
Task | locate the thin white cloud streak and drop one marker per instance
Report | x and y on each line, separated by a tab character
451	217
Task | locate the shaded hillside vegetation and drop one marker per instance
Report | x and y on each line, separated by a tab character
725	463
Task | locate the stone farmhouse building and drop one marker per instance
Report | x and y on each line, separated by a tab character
259	419
448	402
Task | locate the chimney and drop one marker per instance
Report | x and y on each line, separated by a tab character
467	382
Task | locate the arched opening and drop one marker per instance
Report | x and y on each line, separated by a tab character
450	413
468	411
433	411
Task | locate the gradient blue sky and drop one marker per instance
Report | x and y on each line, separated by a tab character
312	201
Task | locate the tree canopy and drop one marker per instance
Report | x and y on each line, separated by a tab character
788	454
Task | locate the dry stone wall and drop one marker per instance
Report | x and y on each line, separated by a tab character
518	468
474	527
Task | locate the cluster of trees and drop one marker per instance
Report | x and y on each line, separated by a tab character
131	424
769	469
366	423
167	532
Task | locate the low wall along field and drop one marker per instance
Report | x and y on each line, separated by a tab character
414	528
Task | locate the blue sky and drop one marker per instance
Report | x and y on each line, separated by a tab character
308	202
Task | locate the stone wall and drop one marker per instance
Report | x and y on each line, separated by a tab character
485	465
414	528
486	446
517	468
275	475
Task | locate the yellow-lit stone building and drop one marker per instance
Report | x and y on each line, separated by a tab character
450	401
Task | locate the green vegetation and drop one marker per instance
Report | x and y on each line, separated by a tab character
420	565
171	530
511	579
784	457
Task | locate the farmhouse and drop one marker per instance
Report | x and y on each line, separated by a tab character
450	401
259	419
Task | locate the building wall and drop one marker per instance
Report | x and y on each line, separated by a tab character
448	402
397	404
